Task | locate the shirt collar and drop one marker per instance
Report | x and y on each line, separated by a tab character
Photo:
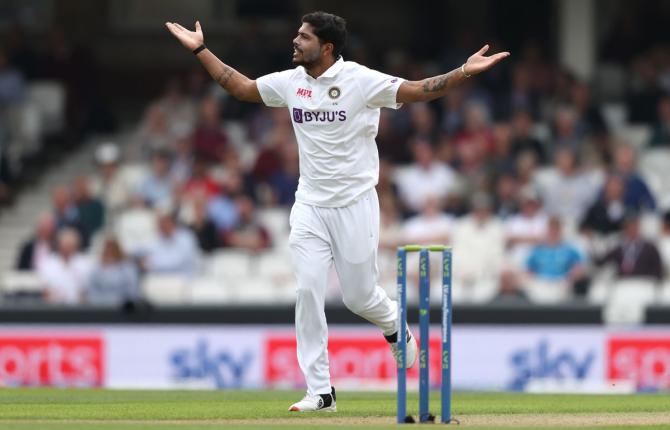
332	71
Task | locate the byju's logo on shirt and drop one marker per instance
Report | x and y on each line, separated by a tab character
302	116
304	92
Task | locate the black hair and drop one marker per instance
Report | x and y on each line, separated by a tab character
328	28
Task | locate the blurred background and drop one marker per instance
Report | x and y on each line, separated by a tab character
139	201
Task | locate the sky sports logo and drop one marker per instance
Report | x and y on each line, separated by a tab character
303	116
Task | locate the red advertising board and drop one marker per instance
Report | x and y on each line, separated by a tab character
642	360
352	357
57	360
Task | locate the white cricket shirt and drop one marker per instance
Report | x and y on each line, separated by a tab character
335	118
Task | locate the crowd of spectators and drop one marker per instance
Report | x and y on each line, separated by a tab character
519	170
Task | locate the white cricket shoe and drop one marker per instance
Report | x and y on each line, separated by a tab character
318	403
410	354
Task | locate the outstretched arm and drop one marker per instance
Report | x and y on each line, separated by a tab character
437	86
238	85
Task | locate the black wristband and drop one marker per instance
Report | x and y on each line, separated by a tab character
200	48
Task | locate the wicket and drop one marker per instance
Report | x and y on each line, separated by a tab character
424	326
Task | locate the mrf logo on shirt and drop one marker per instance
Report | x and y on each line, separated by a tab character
304	116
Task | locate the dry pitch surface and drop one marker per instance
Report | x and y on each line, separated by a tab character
50	409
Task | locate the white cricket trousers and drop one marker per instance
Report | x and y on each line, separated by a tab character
347	237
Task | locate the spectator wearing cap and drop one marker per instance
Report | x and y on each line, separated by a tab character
634	256
555	259
115	279
606	215
176	250
156	189
66	273
36	250
109	183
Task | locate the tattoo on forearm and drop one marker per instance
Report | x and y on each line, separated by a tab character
224	75
438	83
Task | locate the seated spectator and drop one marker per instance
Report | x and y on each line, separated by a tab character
6	172
115	280
565	132
182	161
12	87
510	291
607	213
91	210
590	119
284	182
198	221
153	134
480	241
209	141
664	242
109	184
634	256
430	226
425	178
223	212
66	273
476	142
390	232
136	227
506	203
67	215
557	260
36	250
201	181
637	196
179	110
661	133
248	234
567	191
526	228
156	189
175	251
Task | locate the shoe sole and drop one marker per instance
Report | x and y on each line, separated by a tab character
328	409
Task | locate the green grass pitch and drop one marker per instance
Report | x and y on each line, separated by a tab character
51	409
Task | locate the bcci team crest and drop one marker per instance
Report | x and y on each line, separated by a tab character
333	92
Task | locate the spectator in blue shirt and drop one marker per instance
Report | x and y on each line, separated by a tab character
176	251
156	189
557	260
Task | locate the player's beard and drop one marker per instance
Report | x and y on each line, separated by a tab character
306	59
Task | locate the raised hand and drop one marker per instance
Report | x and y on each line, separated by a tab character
190	39
477	62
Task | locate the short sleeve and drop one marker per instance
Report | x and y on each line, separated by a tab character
379	89
273	87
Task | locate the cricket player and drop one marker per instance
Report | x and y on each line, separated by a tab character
334	105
